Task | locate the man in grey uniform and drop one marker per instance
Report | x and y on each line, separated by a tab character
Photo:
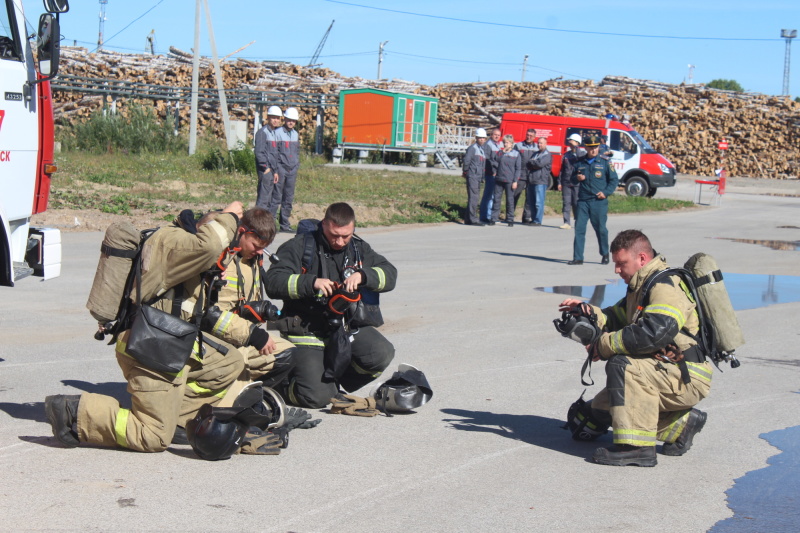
267	157
473	169
288	162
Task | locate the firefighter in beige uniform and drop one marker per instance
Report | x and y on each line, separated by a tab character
649	397
240	313
159	401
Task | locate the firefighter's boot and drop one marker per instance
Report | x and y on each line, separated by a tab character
626	455
62	413
697	419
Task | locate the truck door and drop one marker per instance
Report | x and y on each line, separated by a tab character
18	121
626	155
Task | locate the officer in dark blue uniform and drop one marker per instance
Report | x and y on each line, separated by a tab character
598	180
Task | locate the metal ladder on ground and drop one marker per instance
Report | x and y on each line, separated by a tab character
445	159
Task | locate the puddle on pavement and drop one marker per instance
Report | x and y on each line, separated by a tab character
747	291
791	246
766	499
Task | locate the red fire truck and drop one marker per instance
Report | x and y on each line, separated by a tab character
26	141
641	169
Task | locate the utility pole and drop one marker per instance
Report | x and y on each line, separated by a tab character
102	24
788	35
195	81
690	79
524	66
380	57
150	43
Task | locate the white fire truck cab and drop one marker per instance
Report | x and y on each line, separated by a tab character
26	141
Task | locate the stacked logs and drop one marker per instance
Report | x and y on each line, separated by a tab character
684	122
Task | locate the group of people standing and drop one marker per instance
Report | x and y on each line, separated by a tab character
506	167
586	180
277	160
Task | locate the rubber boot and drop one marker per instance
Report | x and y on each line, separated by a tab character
626	455
697	419
62	413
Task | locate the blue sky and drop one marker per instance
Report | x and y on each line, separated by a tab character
463	41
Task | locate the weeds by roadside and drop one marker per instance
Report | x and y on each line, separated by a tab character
122	183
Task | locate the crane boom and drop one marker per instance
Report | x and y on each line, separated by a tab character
319	46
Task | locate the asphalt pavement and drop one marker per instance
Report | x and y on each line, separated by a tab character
488	453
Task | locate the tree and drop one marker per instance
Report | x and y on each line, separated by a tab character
726	85
797	99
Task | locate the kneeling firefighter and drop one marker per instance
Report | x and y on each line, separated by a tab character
656	364
173	286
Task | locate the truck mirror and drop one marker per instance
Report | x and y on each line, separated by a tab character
56	6
48	45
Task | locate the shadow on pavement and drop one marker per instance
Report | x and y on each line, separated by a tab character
534	257
117	390
535	430
25	411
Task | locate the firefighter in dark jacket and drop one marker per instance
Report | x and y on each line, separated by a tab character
340	261
598	180
656	373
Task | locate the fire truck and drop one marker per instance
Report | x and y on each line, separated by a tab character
26	141
641	169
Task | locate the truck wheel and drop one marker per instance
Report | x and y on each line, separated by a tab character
550	182
637	186
652	192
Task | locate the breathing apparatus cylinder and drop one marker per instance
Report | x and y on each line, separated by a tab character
715	299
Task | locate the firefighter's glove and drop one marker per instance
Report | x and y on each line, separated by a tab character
669	354
257	442
583	309
297	418
348	404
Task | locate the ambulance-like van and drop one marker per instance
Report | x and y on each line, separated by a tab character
641	169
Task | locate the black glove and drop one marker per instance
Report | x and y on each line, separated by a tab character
258	338
297	418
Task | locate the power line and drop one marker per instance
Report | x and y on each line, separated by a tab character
487	63
518	26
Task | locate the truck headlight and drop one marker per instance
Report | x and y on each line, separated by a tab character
664	168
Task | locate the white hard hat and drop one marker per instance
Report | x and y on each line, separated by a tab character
575	137
274	111
480	132
292	114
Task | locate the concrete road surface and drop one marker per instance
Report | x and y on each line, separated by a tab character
486	454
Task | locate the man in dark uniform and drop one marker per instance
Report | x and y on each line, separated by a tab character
306	282
598	180
527	149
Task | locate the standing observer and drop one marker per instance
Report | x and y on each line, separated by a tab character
509	171
539	166
598	180
288	162
473	170
568	182
267	157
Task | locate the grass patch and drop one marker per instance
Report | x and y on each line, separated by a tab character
166	183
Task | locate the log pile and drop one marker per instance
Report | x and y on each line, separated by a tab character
684	122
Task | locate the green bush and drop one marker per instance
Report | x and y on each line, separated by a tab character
140	131
241	159
726	85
